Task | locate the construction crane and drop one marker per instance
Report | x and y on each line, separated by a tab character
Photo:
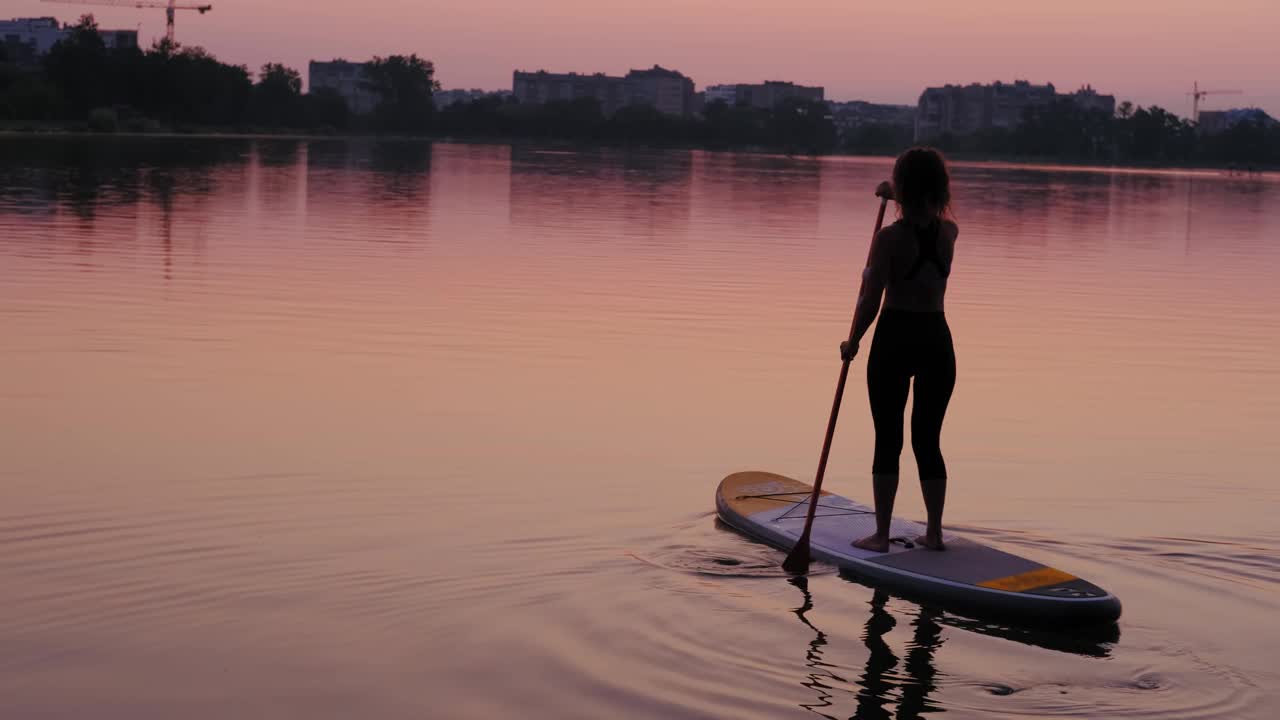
169	8
1197	95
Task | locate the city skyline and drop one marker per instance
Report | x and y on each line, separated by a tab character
862	54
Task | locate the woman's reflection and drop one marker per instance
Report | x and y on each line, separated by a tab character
886	682
878	682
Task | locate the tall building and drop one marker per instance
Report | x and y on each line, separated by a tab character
666	90
347	79
26	39
1213	122
953	109
764	96
1008	102
771	93
966	109
38	35
849	116
727	94
541	87
1089	99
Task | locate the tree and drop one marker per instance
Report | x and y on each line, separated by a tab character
404	86
645	123
485	116
325	109
28	97
878	138
735	125
276	100
189	86
78	66
803	126
1156	135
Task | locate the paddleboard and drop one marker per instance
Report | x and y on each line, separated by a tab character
968	574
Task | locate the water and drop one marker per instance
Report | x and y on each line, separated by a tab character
331	429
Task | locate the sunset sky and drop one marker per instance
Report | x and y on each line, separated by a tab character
1147	51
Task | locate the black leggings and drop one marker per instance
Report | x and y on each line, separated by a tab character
908	344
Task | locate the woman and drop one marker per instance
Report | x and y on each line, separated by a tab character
908	264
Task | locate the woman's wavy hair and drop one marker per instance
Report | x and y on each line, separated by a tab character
921	184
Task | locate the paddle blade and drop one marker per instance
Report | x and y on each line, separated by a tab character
797	562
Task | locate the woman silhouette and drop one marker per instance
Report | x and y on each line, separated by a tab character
908	264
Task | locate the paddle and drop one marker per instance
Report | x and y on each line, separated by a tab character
797	561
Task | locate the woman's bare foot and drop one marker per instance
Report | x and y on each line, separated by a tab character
874	543
930	542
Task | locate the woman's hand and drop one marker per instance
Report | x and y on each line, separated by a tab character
848	350
884	190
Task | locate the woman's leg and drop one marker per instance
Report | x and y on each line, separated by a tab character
933	388
888	383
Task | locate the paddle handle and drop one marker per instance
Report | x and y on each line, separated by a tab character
799	557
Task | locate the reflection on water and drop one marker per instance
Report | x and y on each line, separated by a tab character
878	682
890	686
392	429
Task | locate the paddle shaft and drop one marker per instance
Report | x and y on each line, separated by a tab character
799	555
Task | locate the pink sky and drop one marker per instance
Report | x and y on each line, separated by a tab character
1147	51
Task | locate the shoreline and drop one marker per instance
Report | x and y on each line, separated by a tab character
960	159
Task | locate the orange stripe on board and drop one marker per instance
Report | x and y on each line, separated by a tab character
1029	580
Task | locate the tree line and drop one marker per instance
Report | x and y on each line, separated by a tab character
1063	130
795	126
82	83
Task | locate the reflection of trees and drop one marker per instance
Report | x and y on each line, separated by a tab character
771	196
603	193
118	189
402	171
85	175
385	170
400	156
368	190
277	153
275	171
656	189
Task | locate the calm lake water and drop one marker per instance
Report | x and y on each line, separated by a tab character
398	430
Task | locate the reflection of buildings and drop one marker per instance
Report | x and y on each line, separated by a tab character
666	90
967	109
27	39
345	78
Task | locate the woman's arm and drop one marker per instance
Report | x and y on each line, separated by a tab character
874	278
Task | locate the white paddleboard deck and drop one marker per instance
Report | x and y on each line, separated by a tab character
967	574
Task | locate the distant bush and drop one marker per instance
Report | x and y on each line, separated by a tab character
103	120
